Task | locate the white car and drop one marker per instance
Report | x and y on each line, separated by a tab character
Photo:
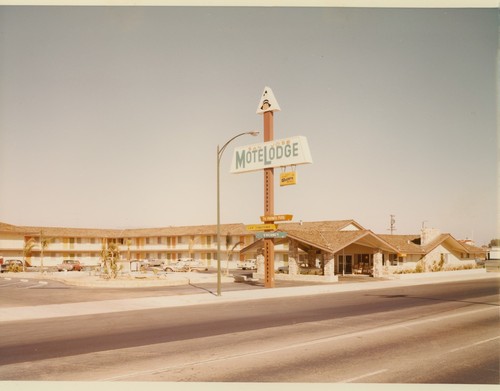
184	265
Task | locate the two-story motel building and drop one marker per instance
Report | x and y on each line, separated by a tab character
336	247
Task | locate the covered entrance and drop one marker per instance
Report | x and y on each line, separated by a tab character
322	251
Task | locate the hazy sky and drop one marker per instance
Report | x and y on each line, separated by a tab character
110	116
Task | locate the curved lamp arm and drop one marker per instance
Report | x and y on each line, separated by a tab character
219	155
221	150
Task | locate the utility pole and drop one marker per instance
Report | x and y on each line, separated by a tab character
393	224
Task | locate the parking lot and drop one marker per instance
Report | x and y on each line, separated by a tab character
27	289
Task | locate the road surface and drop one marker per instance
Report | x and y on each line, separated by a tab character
444	333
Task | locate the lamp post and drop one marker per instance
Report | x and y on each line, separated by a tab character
220	151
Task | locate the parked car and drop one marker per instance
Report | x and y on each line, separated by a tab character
249	264
282	270
151	263
184	265
70	265
12	265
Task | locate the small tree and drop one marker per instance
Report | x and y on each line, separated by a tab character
494	243
420	266
110	255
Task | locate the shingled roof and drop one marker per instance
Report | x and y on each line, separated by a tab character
233	229
329	236
411	244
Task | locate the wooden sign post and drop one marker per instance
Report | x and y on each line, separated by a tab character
267	106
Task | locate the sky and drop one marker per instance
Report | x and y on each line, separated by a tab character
110	117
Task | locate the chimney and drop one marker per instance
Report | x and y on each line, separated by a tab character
427	235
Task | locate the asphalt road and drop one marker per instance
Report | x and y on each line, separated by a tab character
444	333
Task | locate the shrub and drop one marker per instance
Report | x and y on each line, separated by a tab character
110	256
420	268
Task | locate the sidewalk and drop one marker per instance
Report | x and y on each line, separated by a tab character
144	303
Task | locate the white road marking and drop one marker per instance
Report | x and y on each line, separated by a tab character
353	379
472	345
11	283
402	325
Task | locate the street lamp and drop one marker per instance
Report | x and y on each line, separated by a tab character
220	151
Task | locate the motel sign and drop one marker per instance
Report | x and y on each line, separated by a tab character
278	153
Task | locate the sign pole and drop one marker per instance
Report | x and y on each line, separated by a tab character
269	204
267	106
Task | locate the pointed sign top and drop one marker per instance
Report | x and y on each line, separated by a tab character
267	102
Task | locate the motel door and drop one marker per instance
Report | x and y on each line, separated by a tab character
345	264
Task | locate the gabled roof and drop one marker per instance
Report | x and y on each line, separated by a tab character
405	244
410	244
335	241
329	236
474	249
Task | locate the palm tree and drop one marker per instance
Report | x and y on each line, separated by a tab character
28	249
44	243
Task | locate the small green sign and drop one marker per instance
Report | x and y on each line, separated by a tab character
270	235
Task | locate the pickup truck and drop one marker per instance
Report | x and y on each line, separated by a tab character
70	265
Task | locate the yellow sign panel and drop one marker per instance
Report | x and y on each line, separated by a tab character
265	219
262	227
288	178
